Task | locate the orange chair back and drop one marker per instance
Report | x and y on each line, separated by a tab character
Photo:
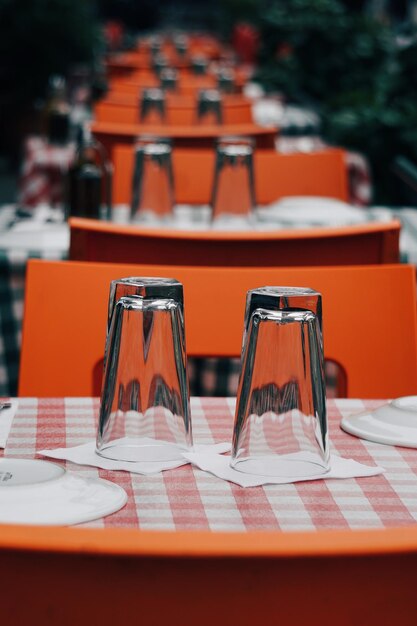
95	576
369	320
180	110
122	63
111	134
128	63
277	175
188	84
364	244
197	45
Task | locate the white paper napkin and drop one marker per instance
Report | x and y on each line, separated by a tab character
6	419
85	454
219	465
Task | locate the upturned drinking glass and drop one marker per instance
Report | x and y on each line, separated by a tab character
280	422
169	79
233	193
159	63
199	65
155	45
152	106
226	80
145	406
181	44
209	107
153	181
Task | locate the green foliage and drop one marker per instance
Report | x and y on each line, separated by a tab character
349	67
318	48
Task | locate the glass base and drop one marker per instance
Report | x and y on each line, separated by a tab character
142	450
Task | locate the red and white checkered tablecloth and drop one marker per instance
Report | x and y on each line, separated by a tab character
359	179
44	170
188	498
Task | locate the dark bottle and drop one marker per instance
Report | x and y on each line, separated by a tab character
89	180
57	112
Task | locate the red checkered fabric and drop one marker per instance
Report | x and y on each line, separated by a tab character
360	182
43	173
188	498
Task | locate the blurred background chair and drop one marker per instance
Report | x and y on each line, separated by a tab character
371	243
187	84
124	63
180	110
111	134
369	321
322	173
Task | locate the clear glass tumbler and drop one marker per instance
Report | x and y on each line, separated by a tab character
181	44
155	45
152	106
169	79
199	65
209	107
145	405
226	80
153	181
280	422
233	193
159	63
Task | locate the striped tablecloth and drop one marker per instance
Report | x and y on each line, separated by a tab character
188	498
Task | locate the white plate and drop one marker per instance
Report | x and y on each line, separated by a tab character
6	420
394	423
39	492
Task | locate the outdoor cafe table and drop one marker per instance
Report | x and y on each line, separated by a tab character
189	499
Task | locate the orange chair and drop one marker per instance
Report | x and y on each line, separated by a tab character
277	175
180	110
364	244
188	84
109	576
125	64
122	63
111	134
369	320
197	44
